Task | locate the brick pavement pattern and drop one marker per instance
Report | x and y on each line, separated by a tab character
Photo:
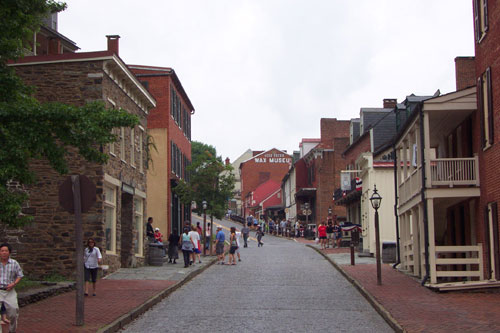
419	309
114	299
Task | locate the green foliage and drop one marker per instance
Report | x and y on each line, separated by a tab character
32	130
210	180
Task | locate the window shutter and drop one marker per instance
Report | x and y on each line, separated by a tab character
487	243
480	108
477	25
490	105
494	214
485	12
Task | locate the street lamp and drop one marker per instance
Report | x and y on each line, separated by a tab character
375	200
330	214
204	205
306	206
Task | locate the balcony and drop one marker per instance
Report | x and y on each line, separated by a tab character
455	171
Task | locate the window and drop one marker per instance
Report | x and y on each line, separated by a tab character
480	19
110	218
122	143
112	144
138	227
132	147
141	157
113	131
485	108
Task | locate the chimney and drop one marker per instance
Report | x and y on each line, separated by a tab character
465	72
227	161
390	103
113	43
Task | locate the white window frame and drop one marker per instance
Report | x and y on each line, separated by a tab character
141	151
122	144
132	147
110	204
139	225
112	144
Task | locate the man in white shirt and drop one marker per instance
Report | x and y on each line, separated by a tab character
238	237
10	275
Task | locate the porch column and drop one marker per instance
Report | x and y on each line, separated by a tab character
417	241
432	241
404	241
427	151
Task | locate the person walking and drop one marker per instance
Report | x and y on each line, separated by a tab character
220	238
10	275
233	247
238	242
259	235
173	247
245	231
329	234
186	246
322	235
195	238
91	259
208	233
337	231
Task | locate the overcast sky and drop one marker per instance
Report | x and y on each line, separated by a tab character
261	73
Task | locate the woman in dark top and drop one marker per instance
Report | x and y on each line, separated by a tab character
173	250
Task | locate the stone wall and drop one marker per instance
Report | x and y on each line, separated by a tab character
47	245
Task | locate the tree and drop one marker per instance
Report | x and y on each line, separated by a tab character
210	180
32	130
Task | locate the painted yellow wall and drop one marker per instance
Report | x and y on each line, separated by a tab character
158	182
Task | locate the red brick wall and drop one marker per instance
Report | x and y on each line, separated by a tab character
465	72
252	172
487	56
332	128
361	146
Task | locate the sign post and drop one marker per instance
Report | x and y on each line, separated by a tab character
76	195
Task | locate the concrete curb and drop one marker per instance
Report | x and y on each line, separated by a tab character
376	305
132	315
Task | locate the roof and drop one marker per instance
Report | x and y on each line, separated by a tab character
264	191
164	71
86	56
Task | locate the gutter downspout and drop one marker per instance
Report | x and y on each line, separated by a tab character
396	206
422	194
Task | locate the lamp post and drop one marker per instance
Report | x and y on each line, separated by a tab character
204	205
330	214
375	200
306	206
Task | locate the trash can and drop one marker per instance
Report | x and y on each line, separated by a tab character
156	254
388	252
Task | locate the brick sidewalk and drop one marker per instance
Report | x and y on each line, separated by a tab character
418	309
114	299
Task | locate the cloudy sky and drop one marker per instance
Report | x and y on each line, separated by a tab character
261	73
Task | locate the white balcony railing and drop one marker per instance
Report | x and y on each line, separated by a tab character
455	171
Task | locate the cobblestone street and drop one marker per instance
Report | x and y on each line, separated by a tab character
281	287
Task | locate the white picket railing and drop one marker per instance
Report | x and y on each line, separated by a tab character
455	171
446	264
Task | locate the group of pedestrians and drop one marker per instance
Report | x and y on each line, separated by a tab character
329	232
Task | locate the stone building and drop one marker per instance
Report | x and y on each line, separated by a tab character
169	127
117	219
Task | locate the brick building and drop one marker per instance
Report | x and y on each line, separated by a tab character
169	127
117	220
321	166
487	126
272	164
